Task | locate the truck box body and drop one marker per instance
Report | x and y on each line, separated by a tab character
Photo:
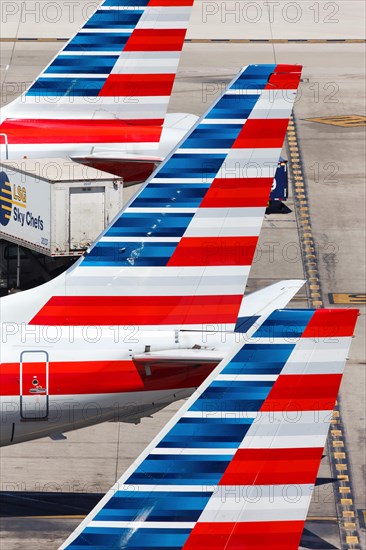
56	206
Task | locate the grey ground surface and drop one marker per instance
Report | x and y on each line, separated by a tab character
91	460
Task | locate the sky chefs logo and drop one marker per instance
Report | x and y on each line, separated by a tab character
6	199
13	205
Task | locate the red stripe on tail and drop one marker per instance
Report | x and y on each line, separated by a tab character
308	392
261	535
135	85
204	251
167	3
262	133
237	192
135	310
283	82
273	466
155	40
331	323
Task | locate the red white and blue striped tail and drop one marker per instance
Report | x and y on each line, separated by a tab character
115	74
236	466
179	254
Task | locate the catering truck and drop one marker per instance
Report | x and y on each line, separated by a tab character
51	211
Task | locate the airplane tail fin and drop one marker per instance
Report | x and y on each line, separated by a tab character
117	71
179	254
255	427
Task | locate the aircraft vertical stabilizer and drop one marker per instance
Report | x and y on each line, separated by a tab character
179	254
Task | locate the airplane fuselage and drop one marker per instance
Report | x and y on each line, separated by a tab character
57	379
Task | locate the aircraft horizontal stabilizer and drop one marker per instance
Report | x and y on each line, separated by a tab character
131	167
264	301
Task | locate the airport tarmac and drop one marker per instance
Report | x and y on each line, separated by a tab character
330	207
